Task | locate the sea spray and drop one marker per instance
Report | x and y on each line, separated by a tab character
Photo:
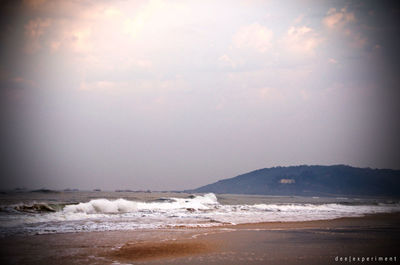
126	206
102	206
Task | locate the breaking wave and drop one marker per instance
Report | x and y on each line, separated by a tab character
32	208
125	206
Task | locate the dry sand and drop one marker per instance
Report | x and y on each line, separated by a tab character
315	242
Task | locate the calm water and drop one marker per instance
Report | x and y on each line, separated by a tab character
61	212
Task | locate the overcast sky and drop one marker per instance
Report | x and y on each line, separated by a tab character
177	94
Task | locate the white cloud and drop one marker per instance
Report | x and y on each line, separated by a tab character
112	12
332	61
225	60
301	40
338	18
99	86
255	37
343	21
156	17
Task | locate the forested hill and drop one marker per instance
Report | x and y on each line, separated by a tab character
311	180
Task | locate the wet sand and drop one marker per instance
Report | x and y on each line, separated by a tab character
158	250
315	242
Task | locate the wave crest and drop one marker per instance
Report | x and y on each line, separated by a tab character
102	206
125	206
34	208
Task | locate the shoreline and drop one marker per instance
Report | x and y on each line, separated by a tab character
306	242
305	224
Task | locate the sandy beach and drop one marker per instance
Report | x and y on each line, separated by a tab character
314	242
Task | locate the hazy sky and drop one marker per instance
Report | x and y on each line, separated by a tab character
177	94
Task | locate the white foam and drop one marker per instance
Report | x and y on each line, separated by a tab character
102	206
125	206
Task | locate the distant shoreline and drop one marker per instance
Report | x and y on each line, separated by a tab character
310	180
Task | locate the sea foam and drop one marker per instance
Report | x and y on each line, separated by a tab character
102	206
126	206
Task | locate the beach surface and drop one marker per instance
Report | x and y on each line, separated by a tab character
313	242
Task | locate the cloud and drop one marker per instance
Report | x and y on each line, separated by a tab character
332	61
73	37
255	37
34	31
225	60
100	86
270	93
69	31
71	26
112	12
343	22
80	39
299	19
301	40
359	40
33	3
13	88
156	17
338	18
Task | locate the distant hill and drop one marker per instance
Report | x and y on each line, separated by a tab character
311	181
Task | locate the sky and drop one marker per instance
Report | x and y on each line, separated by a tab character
169	95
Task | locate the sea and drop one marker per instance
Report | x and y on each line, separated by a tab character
47	212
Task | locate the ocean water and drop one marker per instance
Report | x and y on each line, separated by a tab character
63	212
